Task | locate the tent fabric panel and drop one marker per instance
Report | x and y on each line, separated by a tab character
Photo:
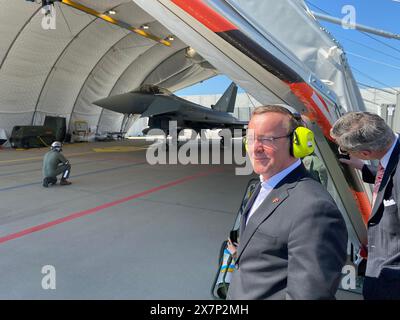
108	71
136	73
179	71
110	121
70	74
14	17
29	62
300	35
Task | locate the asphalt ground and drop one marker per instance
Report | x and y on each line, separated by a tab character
124	229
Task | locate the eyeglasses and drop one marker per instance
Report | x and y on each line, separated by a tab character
342	152
265	141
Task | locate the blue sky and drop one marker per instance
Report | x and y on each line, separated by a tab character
379	14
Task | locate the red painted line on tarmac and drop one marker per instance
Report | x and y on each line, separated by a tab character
80	214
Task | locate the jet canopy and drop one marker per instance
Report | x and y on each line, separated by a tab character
153	89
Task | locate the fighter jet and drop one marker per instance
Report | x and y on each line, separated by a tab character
162	106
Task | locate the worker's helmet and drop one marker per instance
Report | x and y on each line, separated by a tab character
57	146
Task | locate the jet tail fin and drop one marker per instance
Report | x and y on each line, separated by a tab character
227	102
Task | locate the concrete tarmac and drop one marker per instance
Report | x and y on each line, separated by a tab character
124	229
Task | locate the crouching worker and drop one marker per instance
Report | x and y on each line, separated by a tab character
54	164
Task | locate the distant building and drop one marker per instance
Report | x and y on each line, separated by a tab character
244	103
374	98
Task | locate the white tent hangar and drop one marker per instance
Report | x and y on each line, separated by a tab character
275	50
61	71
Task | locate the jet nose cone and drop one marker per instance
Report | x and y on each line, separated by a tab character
110	103
123	103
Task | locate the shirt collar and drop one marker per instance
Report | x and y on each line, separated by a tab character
385	159
274	180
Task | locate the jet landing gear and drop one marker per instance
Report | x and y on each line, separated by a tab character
171	140
225	141
222	142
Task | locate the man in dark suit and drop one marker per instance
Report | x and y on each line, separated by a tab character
293	238
366	136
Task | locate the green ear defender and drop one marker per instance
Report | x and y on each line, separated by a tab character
302	142
246	147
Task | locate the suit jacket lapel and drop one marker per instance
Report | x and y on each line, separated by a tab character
392	165
249	204
277	196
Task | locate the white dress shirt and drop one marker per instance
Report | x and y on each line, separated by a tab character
385	159
268	185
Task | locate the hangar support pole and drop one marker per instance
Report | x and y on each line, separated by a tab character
359	27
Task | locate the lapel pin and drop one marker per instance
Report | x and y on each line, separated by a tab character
275	200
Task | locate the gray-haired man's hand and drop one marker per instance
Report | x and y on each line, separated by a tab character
353	162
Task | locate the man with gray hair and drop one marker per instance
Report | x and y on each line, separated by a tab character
366	136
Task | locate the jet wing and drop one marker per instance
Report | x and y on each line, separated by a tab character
161	106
